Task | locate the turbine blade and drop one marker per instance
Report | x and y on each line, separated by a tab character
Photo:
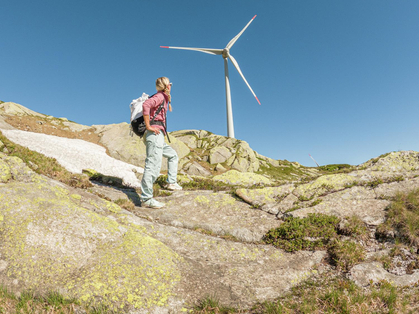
206	50
232	42
236	65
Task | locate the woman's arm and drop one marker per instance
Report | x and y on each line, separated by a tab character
148	126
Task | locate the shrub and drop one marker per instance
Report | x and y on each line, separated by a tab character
336	168
353	226
345	254
312	232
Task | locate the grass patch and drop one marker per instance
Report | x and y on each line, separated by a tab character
52	303
211	305
402	219
225	236
108	180
197	184
319	231
354	227
345	254
125	203
328	293
285	172
44	165
309	233
336	168
338	295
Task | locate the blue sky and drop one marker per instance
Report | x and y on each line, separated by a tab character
337	79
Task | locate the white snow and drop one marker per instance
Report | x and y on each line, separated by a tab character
76	155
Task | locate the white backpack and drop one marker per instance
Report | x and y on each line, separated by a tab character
137	107
137	119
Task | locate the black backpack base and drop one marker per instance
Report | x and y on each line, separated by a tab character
138	126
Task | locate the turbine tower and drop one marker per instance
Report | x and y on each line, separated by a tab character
225	53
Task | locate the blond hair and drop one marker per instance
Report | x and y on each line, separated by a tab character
162	85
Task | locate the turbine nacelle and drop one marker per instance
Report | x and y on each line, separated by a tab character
226	53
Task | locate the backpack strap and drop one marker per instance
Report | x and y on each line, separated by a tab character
159	122
157	112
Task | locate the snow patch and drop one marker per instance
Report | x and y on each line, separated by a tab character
76	155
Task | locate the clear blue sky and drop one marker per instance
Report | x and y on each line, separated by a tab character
337	79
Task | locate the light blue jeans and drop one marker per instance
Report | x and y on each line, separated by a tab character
156	148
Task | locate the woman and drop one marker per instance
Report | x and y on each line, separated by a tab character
156	148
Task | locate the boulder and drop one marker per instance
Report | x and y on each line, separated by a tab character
373	272
220	168
219	154
195	169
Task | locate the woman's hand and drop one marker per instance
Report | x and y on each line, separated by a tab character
149	127
154	129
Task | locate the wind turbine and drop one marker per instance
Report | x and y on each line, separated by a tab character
226	55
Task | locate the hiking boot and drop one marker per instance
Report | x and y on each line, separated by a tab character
152	203
174	187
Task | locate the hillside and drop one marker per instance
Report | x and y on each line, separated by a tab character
247	230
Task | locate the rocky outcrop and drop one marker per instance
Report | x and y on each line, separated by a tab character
57	238
363	192
219	154
11	108
54	238
229	152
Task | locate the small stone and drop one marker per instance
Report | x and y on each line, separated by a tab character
3	265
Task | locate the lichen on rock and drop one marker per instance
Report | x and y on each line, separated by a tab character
50	243
234	177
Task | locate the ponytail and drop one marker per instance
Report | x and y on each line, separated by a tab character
162	85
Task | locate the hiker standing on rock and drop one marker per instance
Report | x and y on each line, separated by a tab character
156	148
